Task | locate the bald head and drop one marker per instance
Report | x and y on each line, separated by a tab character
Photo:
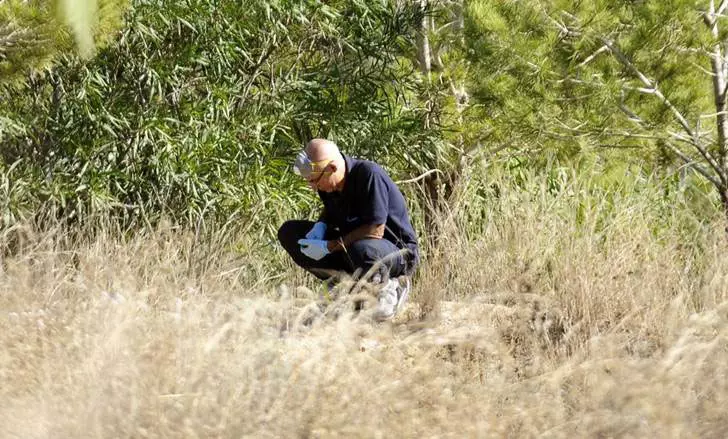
326	151
322	149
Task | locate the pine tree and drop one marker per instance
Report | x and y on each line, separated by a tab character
34	33
569	75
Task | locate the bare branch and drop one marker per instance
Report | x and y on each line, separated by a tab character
576	129
702	69
618	146
635	136
592	56
416	179
711	115
709	17
631	115
704	153
693	164
651	87
721	8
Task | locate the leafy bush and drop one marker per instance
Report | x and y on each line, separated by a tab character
197	107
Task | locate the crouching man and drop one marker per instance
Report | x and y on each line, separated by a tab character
363	228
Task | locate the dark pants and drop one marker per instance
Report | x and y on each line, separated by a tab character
360	255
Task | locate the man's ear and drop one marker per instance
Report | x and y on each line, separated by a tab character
333	166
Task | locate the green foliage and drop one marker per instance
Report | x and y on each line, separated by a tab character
29	37
195	108
34	33
545	77
198	107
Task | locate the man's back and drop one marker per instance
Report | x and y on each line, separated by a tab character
369	196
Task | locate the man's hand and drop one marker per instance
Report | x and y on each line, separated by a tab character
318	231
314	248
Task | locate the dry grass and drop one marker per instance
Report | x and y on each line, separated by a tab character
549	325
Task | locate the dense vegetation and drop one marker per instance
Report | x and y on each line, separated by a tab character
190	109
567	167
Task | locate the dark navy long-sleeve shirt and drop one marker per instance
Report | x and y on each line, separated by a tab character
369	196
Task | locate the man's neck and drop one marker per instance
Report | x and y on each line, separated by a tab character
344	173
340	185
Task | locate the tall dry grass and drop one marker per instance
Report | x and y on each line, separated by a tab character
538	313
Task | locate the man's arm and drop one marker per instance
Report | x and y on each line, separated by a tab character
367	231
323	215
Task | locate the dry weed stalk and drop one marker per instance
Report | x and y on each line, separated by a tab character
546	329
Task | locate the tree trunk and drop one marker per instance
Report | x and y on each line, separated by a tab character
458	18
423	43
718	65
724	203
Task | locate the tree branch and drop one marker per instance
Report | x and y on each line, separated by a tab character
705	154
693	164
423	43
652	89
416	179
720	84
702	69
721	8
592	56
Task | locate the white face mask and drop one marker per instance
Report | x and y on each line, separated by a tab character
302	165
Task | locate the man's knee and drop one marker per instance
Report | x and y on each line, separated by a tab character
362	250
288	234
368	252
284	231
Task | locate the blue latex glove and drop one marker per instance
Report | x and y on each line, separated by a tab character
318	231
313	248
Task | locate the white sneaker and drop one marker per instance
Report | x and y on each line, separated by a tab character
386	301
392	297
